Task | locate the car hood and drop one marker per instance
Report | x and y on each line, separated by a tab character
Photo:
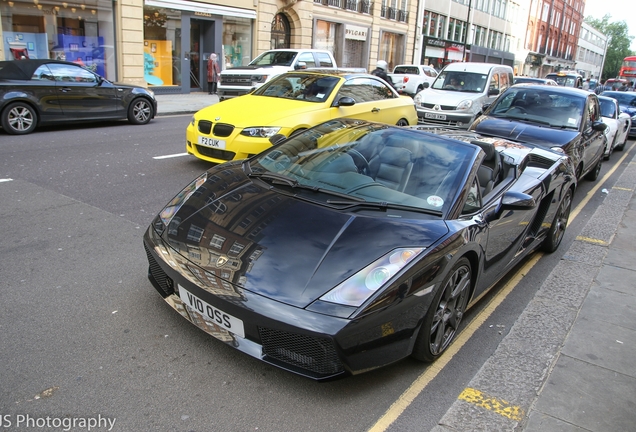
262	110
270	243
523	132
628	110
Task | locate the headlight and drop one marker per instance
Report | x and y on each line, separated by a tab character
465	104
259	78
260	131
168	212
192	122
418	98
558	150
359	287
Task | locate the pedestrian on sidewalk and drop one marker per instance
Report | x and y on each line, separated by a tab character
213	73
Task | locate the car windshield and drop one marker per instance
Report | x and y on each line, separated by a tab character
275	58
308	87
461	81
541	106
355	164
608	107
564	80
623	98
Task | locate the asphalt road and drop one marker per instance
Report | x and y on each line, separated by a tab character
83	334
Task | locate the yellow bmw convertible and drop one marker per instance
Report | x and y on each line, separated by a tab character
241	127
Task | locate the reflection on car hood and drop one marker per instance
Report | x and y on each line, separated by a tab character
263	110
523	132
280	247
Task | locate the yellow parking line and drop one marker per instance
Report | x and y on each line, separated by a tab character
622	188
409	395
592	240
496	405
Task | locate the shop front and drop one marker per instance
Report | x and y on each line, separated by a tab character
348	42
179	37
438	53
82	32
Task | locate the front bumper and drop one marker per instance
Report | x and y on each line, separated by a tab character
307	343
235	146
458	119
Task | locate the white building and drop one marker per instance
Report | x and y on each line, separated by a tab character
591	52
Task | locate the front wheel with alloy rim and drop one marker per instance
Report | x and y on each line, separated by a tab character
442	320
140	111
559	224
19	118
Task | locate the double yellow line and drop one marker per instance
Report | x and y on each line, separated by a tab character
472	395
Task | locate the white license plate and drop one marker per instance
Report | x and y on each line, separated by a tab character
211	142
435	116
212	314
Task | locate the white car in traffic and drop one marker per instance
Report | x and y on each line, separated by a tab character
618	124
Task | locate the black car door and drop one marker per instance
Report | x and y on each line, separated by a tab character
41	88
82	95
593	140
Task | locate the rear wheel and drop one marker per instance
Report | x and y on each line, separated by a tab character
140	111
402	122
445	313
559	224
19	118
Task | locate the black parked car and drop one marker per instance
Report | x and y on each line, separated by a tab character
352	244
560	118
35	92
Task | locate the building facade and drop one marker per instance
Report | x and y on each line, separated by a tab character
591	52
165	44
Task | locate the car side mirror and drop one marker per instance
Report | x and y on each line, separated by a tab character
599	126
300	65
493	92
345	101
426	85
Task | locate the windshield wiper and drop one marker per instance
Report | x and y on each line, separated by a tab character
382	205
280	179
527	120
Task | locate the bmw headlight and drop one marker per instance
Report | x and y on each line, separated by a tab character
260	131
359	287
465	104
193	121
168	212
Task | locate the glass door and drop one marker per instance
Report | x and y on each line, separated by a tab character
195	56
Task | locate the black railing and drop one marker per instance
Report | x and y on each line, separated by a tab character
361	6
403	16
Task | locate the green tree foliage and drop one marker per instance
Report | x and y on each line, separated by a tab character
619	43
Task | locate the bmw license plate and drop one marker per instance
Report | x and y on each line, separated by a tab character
211	314
435	116
211	142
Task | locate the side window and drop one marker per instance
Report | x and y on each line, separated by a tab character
43	73
364	90
71	73
308	58
494	82
324	59
503	81
473	199
430	72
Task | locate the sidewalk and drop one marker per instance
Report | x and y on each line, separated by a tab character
568	363
171	104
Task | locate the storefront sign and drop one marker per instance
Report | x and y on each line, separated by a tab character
355	32
203	14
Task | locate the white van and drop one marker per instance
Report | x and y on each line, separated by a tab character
459	92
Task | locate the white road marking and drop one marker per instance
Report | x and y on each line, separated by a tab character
6	180
170	156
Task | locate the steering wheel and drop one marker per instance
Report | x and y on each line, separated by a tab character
360	161
520	108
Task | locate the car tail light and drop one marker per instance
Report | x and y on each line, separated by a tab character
406	79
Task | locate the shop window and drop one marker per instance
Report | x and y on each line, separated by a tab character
61	31
237	38
162	47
